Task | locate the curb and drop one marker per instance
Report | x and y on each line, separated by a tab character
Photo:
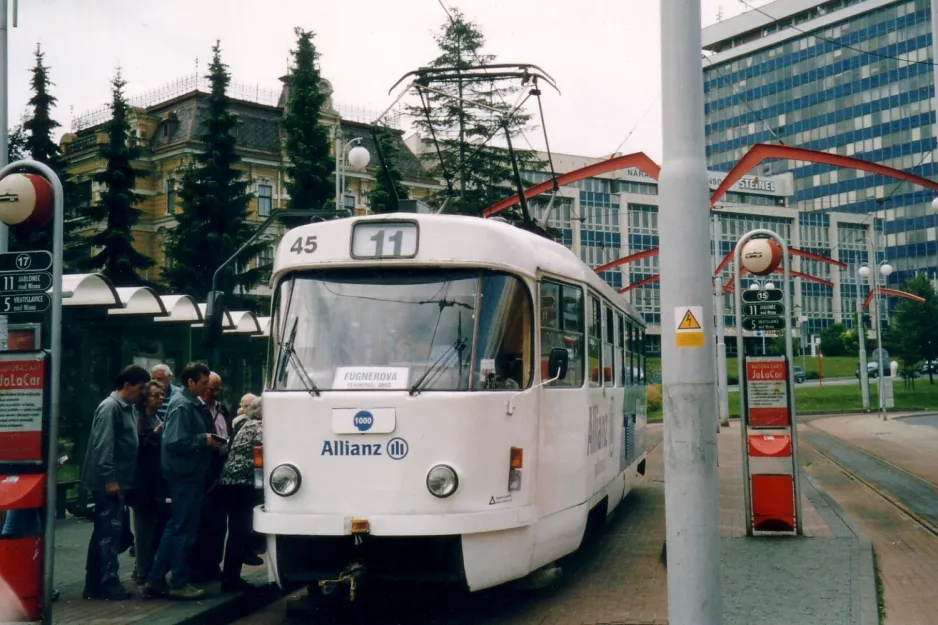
219	608
868	608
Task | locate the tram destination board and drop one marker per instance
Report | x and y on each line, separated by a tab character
766	309
25	303
763	323
35	260
22	283
762	295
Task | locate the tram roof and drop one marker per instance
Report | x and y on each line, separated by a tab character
446	240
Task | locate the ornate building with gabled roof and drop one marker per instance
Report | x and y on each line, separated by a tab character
167	123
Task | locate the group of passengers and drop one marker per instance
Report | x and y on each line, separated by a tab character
184	465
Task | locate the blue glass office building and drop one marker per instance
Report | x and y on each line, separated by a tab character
851	77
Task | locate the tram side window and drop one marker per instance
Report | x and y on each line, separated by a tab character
609	346
632	347
594	342
561	309
620	351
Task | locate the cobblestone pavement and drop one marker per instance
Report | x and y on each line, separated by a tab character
906	555
72	535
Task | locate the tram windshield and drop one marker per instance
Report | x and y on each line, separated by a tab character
416	330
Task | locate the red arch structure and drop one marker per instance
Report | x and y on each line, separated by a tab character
792	250
762	151
896	293
730	286
638	160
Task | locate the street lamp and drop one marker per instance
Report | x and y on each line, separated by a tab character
348	154
865	272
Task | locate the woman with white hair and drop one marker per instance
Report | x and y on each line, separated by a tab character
237	491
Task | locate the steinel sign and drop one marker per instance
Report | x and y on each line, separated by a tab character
750	183
767	391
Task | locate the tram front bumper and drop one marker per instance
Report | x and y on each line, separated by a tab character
289	524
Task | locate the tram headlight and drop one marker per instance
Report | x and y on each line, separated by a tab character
285	480
442	481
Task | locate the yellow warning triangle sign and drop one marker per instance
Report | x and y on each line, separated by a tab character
689	322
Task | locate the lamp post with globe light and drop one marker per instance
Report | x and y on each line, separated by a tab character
347	154
865	272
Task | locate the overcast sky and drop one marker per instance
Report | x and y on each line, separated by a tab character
604	54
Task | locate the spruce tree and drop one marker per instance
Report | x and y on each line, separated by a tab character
307	143
382	198
16	144
39	145
214	200
118	260
477	176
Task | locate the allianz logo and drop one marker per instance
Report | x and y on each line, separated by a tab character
395	449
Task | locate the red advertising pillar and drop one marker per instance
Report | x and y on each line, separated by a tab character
769	446
23	449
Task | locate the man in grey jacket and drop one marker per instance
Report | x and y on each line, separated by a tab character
186	456
108	473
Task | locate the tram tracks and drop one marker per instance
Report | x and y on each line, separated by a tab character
910	494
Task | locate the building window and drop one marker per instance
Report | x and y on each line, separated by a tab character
170	197
348	202
264	200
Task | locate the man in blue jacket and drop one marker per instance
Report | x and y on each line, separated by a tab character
186	456
108	473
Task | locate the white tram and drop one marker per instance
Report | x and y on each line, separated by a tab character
412	430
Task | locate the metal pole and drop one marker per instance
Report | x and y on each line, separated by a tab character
741	373
4	109
864	375
723	391
4	135
690	440
879	343
55	383
337	142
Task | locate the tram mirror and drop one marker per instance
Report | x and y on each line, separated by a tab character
558	362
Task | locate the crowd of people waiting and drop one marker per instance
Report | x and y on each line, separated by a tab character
184	465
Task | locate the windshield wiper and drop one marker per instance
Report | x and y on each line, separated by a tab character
455	348
286	347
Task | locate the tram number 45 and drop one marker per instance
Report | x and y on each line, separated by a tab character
308	246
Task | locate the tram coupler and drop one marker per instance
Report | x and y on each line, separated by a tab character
350	576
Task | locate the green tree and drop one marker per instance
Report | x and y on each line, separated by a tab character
913	331
118	259
307	145
832	340
478	175
212	224
16	144
38	144
382	198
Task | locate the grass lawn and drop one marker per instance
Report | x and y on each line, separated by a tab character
820	399
831	366
847	398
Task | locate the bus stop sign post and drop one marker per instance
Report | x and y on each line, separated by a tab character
768	424
56	357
